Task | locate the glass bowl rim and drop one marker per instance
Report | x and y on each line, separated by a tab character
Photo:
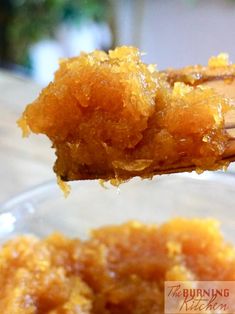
227	178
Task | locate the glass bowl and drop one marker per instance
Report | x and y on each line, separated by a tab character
43	209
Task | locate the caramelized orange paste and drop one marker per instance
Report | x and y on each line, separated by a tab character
112	116
120	269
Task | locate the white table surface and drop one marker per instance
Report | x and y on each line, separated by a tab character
24	163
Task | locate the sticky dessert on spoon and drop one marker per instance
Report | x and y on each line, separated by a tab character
110	116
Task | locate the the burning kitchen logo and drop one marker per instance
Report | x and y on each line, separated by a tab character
200	297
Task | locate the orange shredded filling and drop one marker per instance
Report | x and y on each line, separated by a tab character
110	116
221	60
120	269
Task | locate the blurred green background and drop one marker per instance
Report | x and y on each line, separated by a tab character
23	23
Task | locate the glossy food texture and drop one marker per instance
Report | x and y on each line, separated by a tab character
119	269
110	116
